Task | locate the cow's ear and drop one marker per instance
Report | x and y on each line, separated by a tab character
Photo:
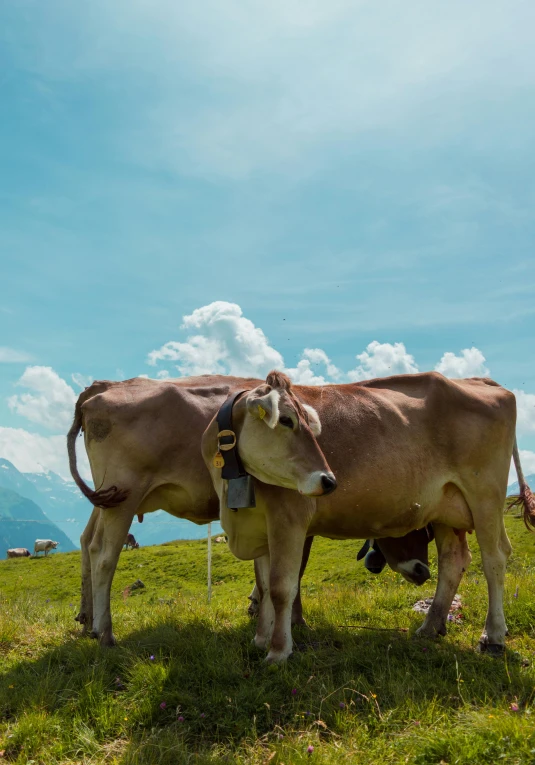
265	408
313	420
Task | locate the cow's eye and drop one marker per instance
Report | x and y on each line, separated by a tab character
286	421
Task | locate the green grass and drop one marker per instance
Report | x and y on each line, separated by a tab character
356	695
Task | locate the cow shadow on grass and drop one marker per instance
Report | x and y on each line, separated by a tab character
171	689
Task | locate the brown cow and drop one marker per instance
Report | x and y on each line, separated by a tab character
407	451
130	541
143	441
18	552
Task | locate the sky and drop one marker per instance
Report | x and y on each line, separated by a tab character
342	190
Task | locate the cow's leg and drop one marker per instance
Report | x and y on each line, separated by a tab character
85	615
266	613
495	550
286	553
104	549
297	608
453	559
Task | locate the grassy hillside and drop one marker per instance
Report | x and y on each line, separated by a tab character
185	685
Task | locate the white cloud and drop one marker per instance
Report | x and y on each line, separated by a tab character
304	374
11	356
82	381
225	342
527	460
525	407
51	402
32	453
381	360
471	363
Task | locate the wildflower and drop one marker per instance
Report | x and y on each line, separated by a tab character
308	714
342	705
151	657
163	705
310	749
202	715
280	736
516	592
180	719
514	707
294	691
424	650
373	695
126	718
417	722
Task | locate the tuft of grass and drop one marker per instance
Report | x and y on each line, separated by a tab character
186	685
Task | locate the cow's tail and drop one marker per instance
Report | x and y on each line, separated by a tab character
110	497
524	498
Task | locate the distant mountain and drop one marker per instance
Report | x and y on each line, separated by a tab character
22	522
65	506
60	500
160	527
514	487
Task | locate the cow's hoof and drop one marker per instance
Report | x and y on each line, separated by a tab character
93	635
80	618
108	640
430	631
493	649
277	657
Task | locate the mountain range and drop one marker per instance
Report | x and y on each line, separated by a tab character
22	522
64	505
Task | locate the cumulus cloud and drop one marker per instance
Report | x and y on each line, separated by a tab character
32	453
525	407
527	460
82	381
471	363
223	341
11	356
305	374
381	360
50	402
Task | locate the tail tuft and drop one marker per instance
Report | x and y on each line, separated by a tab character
526	500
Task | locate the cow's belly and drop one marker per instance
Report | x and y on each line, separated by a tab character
391	514
199	505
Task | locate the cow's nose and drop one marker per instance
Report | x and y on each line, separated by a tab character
328	482
421	573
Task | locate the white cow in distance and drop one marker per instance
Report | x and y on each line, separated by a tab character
44	545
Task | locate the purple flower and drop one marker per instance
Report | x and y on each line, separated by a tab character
514	707
281	736
450	618
203	715
342	705
163	705
180	719
424	649
294	691
151	658
516	592
310	749
308	714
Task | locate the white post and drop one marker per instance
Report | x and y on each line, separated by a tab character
209	562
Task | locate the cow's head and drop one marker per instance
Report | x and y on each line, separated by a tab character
277	438
407	555
54	545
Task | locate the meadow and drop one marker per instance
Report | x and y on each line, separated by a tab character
186	685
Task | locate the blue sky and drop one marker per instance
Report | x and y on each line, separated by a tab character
345	173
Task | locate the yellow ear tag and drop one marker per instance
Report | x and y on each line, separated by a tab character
218	461
261	412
